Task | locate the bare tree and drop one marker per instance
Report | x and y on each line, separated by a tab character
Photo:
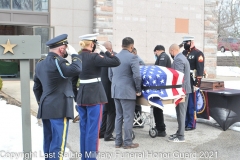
228	18
228	14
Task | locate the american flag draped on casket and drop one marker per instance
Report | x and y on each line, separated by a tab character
161	83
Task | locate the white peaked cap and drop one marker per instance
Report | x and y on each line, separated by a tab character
188	38
89	37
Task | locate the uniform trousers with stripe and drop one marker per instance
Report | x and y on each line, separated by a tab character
55	137
90	123
191	111
190	121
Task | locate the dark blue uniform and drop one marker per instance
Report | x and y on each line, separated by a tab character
90	98
53	91
196	61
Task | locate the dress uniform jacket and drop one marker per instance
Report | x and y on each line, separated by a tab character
196	60
53	92
93	93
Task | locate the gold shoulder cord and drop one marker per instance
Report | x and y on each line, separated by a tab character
40	59
75	58
56	58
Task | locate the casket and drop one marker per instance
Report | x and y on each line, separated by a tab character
160	85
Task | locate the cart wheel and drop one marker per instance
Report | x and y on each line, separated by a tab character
153	132
133	135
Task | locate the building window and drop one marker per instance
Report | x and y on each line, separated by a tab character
41	5
181	25
22	4
29	5
5	4
44	33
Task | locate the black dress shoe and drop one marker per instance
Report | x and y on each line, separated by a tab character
101	136
189	129
162	134
109	139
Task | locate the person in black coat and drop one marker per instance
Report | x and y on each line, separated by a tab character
162	59
53	92
109	111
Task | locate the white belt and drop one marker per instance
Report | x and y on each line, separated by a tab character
90	80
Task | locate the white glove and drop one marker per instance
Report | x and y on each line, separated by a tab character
70	50
102	48
195	88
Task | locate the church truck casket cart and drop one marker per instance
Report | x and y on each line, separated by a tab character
160	86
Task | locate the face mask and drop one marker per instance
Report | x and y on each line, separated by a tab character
94	47
155	57
186	46
65	55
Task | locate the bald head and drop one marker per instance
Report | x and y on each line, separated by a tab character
108	46
174	49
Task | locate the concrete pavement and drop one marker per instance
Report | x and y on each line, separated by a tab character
206	142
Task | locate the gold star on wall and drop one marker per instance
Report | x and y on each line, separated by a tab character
8	47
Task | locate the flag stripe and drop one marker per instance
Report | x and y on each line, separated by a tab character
161	76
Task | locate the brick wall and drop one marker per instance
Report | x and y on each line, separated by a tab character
107	11
210	38
152	22
103	20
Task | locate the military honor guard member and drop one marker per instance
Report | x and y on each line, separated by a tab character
91	94
196	61
54	94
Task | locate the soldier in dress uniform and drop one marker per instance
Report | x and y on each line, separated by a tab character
91	94
196	60
53	92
